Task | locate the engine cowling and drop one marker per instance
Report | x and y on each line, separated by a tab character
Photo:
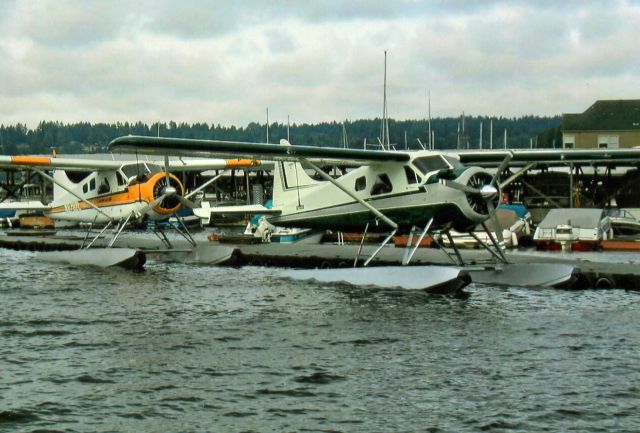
159	187
475	207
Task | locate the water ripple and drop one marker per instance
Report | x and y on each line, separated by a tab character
199	348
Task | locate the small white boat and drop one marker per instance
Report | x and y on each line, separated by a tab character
267	232
573	229
623	223
514	223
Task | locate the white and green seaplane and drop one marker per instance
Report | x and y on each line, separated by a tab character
413	192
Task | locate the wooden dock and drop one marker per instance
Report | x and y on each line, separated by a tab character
597	270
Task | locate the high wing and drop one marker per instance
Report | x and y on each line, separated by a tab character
46	162
233	149
94	164
493	158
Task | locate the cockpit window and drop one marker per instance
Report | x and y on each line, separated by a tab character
427	164
133	170
411	175
120	178
454	162
152	168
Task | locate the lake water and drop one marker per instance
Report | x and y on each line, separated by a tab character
198	348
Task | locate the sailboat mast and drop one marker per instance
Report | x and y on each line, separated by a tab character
430	139
384	127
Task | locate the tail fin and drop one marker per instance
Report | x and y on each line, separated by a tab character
289	180
60	195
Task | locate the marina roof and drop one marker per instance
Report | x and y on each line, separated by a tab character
605	115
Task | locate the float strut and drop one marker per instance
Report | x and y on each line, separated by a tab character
366	228
422	235
375	253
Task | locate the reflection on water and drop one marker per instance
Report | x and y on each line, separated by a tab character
196	348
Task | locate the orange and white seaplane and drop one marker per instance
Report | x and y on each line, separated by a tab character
113	193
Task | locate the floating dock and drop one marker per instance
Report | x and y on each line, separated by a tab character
594	270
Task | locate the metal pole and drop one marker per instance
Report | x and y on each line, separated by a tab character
570	185
491	134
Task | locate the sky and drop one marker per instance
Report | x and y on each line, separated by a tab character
227	62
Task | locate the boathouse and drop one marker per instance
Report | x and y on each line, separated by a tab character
606	124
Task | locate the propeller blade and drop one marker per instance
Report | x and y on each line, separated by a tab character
186	202
461	187
501	167
494	221
153	204
166	168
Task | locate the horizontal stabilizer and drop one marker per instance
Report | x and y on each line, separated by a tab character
23	205
206	210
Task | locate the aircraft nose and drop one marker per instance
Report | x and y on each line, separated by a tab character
488	191
169	190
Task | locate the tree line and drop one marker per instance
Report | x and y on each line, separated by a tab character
448	133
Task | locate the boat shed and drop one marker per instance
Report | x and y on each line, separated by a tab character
608	124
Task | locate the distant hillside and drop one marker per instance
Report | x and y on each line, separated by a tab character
85	137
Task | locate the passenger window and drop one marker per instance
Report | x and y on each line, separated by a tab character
412	177
382	185
120	178
92	184
104	186
85	188
361	183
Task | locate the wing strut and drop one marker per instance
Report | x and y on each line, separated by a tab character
375	211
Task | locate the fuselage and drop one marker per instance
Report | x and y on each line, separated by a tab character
105	195
407	193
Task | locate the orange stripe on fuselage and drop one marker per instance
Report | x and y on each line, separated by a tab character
137	192
241	163
31	160
130	195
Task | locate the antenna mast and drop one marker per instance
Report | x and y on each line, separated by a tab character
430	139
267	125
384	128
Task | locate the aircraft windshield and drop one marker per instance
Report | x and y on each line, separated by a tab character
154	168
427	164
133	170
454	162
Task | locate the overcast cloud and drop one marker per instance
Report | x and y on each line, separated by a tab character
227	61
